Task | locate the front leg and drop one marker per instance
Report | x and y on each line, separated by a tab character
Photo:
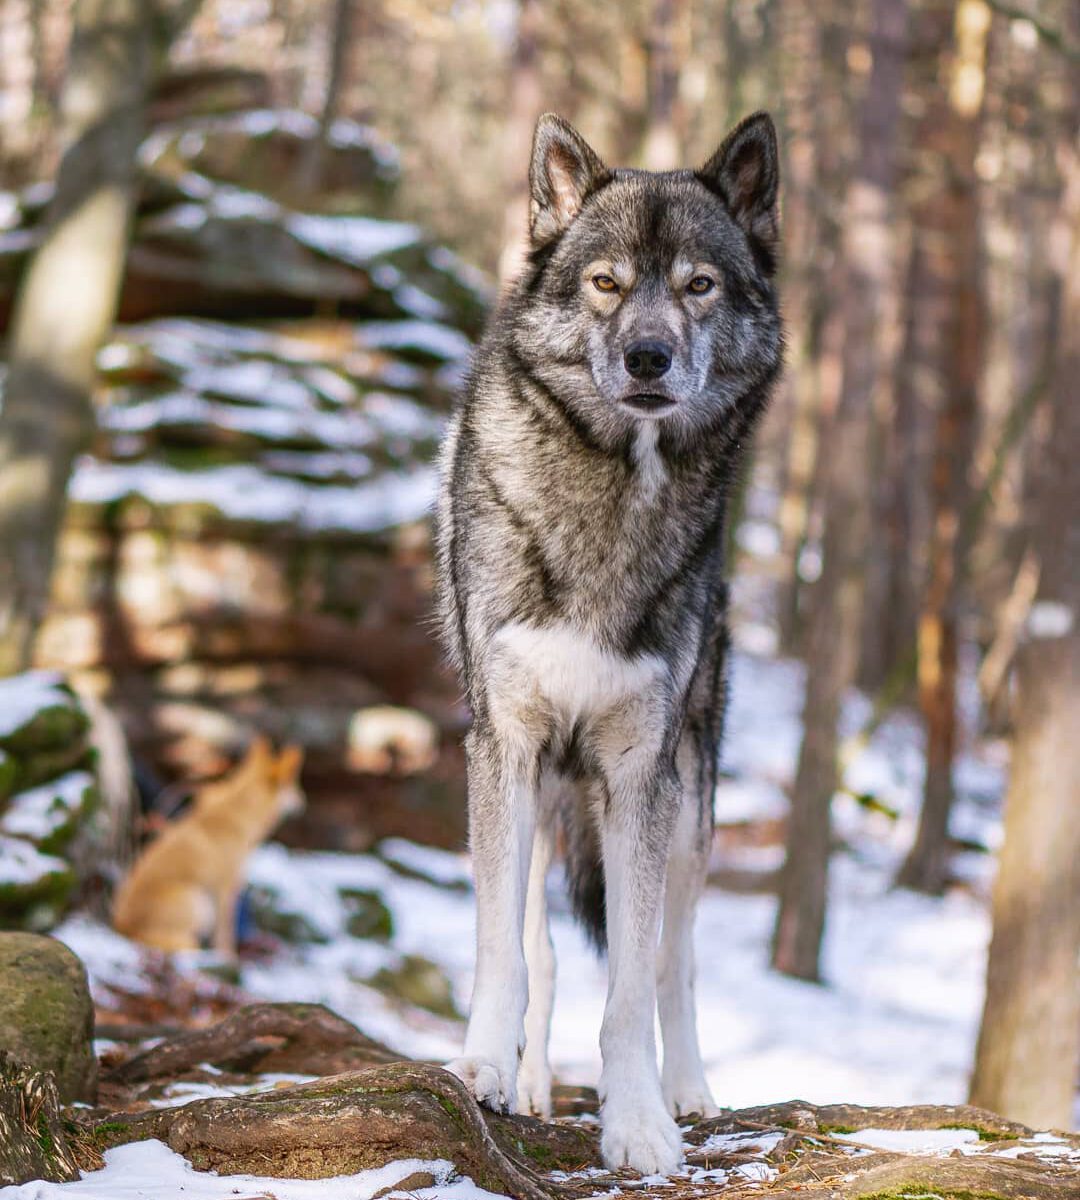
637	1130
502	816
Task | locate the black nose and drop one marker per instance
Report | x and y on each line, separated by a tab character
647	360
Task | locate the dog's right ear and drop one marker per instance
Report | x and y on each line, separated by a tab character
565	170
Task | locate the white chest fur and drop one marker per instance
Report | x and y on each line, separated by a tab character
568	671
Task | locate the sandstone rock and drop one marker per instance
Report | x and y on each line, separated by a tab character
48	1014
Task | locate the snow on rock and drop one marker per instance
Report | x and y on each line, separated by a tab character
44	813
23	866
22	697
913	1141
425	337
149	1170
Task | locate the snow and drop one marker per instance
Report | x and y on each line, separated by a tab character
21	863
151	1171
246	493
913	1141
739	1143
23	696
440	341
355	240
39	812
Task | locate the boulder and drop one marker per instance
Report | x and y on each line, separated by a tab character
48	1014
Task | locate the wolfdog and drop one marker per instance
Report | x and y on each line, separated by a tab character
584	484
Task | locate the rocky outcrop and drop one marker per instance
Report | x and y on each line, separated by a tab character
48	797
48	1016
247	543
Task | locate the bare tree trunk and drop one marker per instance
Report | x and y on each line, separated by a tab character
1029	1043
339	35
837	598
525	102
959	282
816	49
67	302
663	141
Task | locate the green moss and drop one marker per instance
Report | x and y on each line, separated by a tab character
368	915
835	1129
44	1137
985	1135
449	1107
542	1155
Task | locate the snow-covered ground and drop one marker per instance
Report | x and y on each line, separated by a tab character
893	1023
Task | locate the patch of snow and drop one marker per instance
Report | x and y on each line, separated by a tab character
183	1091
255	382
23	696
750	1142
149	1170
355	240
21	863
10	210
440	341
41	811
246	493
440	866
913	1141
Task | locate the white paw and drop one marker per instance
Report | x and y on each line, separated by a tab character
534	1089
490	1084
639	1134
689	1094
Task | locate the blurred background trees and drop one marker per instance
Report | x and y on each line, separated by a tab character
910	520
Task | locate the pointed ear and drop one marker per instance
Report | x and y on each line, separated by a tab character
289	761
745	174
259	750
564	172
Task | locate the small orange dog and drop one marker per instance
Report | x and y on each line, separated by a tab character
184	888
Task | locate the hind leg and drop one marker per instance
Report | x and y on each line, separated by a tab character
534	1073
683	1076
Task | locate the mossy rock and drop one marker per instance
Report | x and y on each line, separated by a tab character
417	980
55	725
8	771
266	911
50	815
368	915
34	887
48	1014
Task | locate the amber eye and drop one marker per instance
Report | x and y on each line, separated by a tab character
701	284
604	283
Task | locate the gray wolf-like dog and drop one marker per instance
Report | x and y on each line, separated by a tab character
581	518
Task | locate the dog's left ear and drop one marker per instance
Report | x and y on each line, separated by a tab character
745	174
289	761
565	170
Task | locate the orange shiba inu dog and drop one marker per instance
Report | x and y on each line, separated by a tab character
183	889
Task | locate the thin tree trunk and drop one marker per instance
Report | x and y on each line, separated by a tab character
663	141
67	302
812	238
837	598
339	34
1029	1043
525	103
926	866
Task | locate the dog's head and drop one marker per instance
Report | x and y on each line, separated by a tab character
650	296
265	784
